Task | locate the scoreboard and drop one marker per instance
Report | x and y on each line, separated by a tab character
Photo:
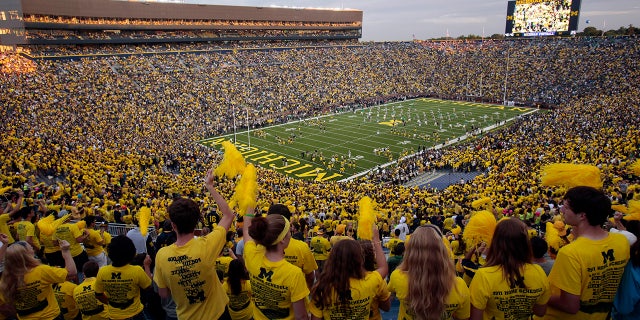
532	18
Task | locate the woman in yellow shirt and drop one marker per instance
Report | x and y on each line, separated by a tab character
425	282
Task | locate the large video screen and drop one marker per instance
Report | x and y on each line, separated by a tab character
533	18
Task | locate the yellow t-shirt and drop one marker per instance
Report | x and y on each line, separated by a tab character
320	246
107	239
591	269
458	302
64	295
26	229
36	299
92	243
299	255
275	285
222	265
189	272
363	293
85	297
122	286
4	227
490	292
47	242
240	306
69	232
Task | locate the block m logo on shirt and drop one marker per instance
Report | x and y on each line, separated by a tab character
265	275
116	275
608	256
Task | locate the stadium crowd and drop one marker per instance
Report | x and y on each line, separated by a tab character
107	136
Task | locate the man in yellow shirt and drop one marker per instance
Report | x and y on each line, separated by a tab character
585	277
186	269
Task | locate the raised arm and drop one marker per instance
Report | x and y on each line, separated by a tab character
69	264
381	261
227	214
245	226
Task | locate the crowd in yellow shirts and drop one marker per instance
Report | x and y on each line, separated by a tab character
107	136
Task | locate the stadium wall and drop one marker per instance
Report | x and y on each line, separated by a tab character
146	10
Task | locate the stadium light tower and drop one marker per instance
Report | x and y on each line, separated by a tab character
248	136
234	124
506	77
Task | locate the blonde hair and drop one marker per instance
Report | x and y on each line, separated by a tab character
430	271
17	262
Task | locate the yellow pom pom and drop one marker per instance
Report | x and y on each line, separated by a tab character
45	225
620	208
232	163
143	220
633	210
571	175
480	228
246	191
367	219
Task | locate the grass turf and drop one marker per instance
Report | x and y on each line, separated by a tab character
344	145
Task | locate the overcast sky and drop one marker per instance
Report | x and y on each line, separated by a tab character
397	20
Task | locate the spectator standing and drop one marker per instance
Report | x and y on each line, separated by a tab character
345	288
119	284
509	285
586	274
279	288
186	270
425	281
85	296
28	284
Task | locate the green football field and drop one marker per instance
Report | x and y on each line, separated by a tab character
343	145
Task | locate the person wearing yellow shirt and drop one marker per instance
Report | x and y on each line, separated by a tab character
185	270
425	281
320	247
345	289
64	296
297	252
94	243
27	284
238	289
85	296
72	234
586	274
26	230
119	284
279	288
509	285
393	242
9	213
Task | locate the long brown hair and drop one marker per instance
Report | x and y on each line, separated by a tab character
431	273
17	262
510	249
345	262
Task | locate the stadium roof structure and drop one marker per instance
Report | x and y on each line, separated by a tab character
51	16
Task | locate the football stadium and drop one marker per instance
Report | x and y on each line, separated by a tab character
172	160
